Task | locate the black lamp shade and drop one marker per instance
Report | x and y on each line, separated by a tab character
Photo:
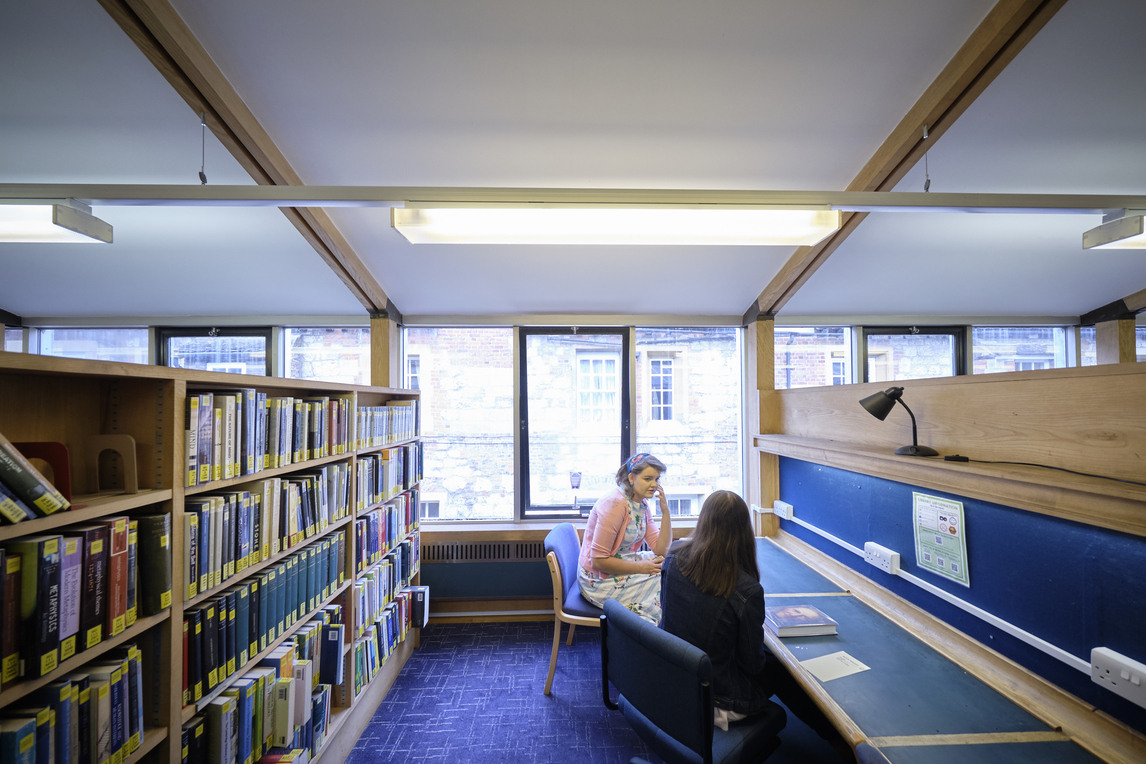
880	404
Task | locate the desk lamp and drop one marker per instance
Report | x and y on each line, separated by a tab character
880	404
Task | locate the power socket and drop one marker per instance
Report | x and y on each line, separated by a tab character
881	557
783	510
1119	674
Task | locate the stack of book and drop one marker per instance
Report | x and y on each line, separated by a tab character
64	593
226	631
94	714
279	707
233	433
25	493
798	621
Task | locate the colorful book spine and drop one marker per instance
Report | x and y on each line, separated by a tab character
27	482
39	603
115	620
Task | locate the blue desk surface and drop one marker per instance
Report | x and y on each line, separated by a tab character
910	690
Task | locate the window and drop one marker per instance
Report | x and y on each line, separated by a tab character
660	389
465	375
13	340
328	353
916	352
103	344
1017	348
1140	343
241	350
1088	346
811	356
574	413
701	444
598	388
413	372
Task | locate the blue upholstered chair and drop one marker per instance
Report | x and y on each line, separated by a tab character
664	691
561	551
866	753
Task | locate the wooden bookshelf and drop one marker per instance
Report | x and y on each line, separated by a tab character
70	401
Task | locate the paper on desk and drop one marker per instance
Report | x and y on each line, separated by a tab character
833	666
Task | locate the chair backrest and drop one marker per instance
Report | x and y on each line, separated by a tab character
663	677
563	543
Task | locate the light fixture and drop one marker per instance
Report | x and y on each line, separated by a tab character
1123	229
880	404
665	224
48	221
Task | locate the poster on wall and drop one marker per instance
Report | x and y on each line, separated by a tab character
941	537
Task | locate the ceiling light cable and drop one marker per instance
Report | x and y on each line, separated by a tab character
203	149
926	173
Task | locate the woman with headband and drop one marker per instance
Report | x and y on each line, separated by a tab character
613	564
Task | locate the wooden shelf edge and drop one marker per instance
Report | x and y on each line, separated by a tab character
1102	735
85	509
152	736
1092	501
77	661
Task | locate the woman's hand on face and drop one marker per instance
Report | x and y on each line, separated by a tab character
659	493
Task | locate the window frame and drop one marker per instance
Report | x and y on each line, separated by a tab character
165	333
959	334
524	508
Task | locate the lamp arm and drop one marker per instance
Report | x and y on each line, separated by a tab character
914	433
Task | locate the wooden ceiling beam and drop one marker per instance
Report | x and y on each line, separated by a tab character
159	32
1002	34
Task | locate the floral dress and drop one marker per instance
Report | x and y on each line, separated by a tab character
639	592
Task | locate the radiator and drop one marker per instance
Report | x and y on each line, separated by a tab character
483	551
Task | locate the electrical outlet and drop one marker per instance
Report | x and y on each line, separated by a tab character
881	557
783	509
1119	674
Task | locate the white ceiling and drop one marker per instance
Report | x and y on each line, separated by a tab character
776	95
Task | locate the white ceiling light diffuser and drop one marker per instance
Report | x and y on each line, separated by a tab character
51	222
1123	230
719	225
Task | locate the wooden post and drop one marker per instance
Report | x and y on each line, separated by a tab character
384	352
1115	341
762	468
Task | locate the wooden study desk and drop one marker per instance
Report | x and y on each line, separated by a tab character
913	703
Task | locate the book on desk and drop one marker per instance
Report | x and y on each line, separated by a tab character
798	621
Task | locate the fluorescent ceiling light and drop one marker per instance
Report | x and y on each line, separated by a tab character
460	223
1124	232
51	222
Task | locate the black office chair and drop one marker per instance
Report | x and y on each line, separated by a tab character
665	694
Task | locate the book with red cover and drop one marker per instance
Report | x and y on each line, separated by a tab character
10	613
94	540
115	620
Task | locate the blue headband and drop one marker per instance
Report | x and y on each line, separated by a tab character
633	460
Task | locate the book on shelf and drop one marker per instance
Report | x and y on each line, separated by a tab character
44	720
18	740
71	595
194	740
191	439
206	438
115	620
798	621
284	710
27	482
10	595
132	658
39	603
222	729
243	692
154	563
12	507
94	541
85	706
131	612
61	696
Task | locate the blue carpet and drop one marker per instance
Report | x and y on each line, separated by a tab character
473	693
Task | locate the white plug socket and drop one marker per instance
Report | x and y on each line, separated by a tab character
783	510
1119	674
881	557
